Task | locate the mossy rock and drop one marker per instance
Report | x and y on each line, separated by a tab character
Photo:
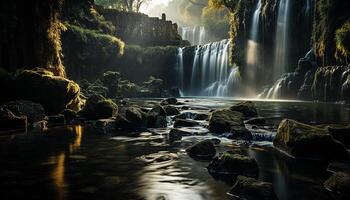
306	141
98	107
185	123
233	164
132	117
156	117
252	189
221	121
54	93
171	110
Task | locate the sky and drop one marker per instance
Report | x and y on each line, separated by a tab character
153	3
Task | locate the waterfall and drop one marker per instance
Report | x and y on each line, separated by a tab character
253	45
195	35
211	73
180	70
281	39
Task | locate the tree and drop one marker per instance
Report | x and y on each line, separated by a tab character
126	5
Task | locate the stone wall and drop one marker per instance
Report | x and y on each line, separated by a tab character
137	28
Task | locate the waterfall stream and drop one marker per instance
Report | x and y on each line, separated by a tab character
195	35
211	73
253	46
281	39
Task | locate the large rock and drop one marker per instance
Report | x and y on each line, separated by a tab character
54	93
176	134
233	164
33	111
339	183
305	141
157	117
9	121
247	108
202	150
98	107
252	189
171	110
240	133
221	121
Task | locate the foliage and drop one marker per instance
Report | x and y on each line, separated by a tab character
342	40
89	50
125	5
216	20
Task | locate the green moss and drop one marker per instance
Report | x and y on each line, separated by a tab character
342	41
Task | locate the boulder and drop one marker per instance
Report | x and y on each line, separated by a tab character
185	123
104	125
306	141
168	101
33	111
181	116
247	108
98	107
233	164
221	121
156	117
339	183
54	93
202	150
171	110
9	121
252	189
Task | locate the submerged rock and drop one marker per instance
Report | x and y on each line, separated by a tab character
306	141
171	110
233	164
33	111
9	121
69	115
98	107
252	189
202	150
185	123
339	183
168	101
221	121
247	108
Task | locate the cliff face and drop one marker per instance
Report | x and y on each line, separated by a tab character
30	35
137	28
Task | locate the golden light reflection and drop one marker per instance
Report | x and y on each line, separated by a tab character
78	130
58	175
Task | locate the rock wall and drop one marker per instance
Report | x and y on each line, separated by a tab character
30	35
137	28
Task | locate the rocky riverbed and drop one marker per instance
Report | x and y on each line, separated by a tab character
180	149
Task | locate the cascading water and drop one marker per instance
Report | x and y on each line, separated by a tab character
212	74
180	70
281	39
253	45
195	35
